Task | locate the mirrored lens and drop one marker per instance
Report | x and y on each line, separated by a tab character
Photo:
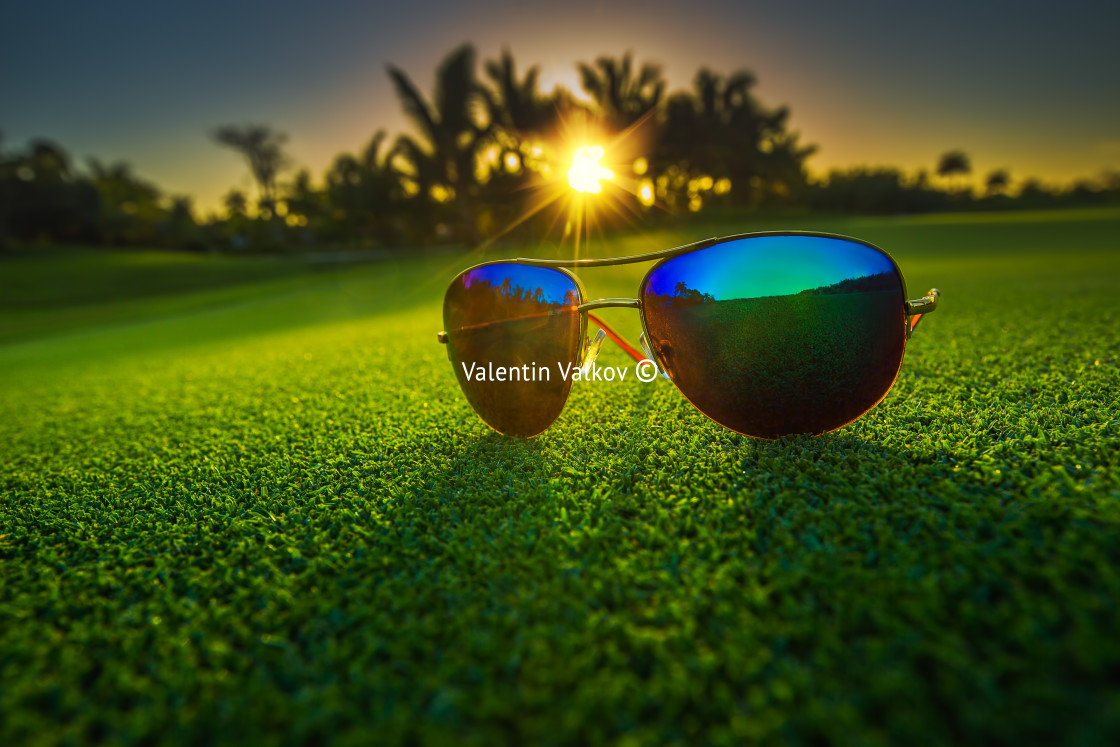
776	335
511	332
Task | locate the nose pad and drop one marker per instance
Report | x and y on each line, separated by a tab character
649	354
592	352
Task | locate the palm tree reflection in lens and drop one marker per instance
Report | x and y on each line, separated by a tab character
507	316
778	335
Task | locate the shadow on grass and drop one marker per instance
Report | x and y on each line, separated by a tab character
634	462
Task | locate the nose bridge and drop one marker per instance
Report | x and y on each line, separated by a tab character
603	303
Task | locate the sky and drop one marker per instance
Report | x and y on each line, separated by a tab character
771	266
1031	87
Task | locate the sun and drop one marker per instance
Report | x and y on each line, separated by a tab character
584	205
587	173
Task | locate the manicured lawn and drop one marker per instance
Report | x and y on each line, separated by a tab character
255	506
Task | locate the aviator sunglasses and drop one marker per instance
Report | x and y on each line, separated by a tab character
768	334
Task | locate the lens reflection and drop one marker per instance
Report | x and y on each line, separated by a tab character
508	321
776	335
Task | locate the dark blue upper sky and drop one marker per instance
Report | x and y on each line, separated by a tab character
1028	86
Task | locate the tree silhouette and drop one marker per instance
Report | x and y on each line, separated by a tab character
875	190
235	203
129	207
517	107
521	150
997	181
6	189
445	163
954	163
178	227
47	162
1033	192
43	198
359	191
263	149
622	97
305	203
485	160
719	130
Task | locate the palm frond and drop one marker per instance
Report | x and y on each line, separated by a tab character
415	108
369	155
455	89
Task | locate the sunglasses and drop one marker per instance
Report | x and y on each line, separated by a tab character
768	334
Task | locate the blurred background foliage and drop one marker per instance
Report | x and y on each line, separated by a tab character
488	158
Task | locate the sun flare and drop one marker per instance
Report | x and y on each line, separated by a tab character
587	173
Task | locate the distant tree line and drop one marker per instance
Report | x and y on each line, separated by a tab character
887	190
45	198
489	157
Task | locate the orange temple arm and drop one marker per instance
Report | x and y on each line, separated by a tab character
632	351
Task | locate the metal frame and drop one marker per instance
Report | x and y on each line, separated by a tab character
603	303
924	305
914	308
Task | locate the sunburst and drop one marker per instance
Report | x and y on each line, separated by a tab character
586	174
585	180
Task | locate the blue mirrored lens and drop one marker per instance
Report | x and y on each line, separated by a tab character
775	335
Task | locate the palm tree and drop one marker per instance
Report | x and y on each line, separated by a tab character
129	207
46	198
301	197
517	107
997	181
521	151
444	163
720	130
235	203
48	162
623	98
953	163
359	190
263	148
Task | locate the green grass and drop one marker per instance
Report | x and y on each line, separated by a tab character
100	287
263	511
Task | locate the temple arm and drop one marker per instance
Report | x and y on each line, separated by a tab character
920	307
632	351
